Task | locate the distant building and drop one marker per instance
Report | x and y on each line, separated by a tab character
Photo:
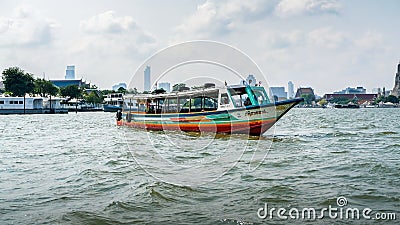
64	83
290	93
396	88
1	85
361	98
251	80
70	73
279	92
349	90
147	79
165	85
304	91
117	86
376	91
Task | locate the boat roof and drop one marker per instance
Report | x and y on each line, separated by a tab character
182	93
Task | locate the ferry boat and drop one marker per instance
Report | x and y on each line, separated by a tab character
241	109
113	102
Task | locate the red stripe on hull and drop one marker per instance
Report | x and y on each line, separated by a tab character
251	128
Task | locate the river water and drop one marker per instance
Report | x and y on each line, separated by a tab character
83	169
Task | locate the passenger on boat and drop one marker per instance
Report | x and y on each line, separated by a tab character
247	102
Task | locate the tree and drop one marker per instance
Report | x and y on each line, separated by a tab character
177	87
44	87
17	82
392	99
72	91
121	90
323	102
308	98
93	98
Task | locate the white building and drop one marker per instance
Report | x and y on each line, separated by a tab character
70	73
147	79
165	85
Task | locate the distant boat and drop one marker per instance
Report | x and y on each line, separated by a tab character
347	106
387	105
230	109
113	102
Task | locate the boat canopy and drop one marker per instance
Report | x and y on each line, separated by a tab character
207	99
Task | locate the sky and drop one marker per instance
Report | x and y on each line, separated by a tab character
326	44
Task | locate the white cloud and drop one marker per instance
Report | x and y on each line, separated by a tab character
326	37
107	22
370	40
299	7
107	33
216	18
26	27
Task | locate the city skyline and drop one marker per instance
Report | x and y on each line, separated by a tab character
328	45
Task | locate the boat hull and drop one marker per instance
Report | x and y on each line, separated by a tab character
254	120
111	108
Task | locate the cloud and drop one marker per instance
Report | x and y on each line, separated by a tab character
107	33
288	8
326	37
216	18
107	22
26	27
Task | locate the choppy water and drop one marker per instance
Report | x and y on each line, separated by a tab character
82	169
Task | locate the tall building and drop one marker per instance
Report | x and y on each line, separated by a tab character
279	92
396	88
70	73
251	80
165	85
117	86
290	90
147	79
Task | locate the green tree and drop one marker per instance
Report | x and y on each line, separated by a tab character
72	91
178	86
121	90
323	102
17	82
44	88
392	99
93	98
308	98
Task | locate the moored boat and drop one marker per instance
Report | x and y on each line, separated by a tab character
239	109
113	102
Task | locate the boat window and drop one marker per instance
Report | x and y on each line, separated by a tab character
240	97
1	102
11	102
21	102
260	95
224	99
170	105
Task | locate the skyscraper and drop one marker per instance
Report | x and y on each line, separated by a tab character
165	85
290	90
147	79
70	73
396	88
